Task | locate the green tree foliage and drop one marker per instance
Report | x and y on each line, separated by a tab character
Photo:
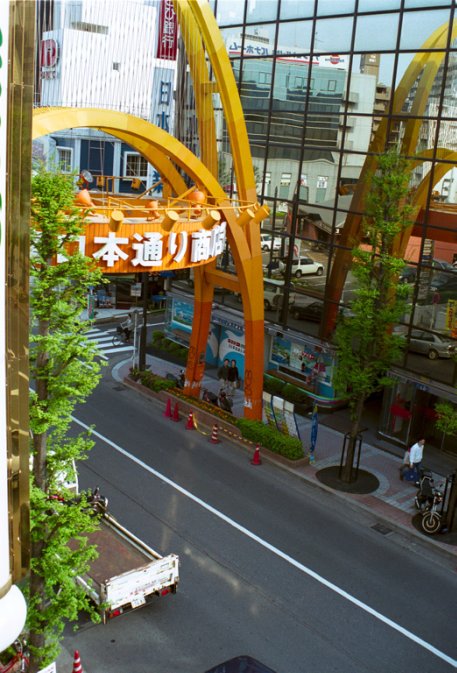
63	372
366	346
447	419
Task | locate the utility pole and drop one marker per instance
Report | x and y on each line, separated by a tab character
144	329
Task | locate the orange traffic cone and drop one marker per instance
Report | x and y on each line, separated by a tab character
167	412
77	668
256	457
190	421
175	416
214	439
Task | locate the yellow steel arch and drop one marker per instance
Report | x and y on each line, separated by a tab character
163	150
422	72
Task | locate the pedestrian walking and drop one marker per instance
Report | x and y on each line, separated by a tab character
404	469
233	376
222	372
415	456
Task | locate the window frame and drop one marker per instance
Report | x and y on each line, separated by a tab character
125	159
60	149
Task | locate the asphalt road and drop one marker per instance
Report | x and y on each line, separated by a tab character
269	566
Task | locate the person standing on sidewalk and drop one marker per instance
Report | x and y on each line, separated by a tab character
415	456
233	376
222	372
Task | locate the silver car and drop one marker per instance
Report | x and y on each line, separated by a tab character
431	345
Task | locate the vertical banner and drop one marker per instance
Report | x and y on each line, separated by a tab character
314	429
167	41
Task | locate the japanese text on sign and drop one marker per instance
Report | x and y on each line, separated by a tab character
150	247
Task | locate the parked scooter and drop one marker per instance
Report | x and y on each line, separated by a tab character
428	499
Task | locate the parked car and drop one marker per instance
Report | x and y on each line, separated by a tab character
266	241
441	265
408	275
273	294
446	286
431	345
312	312
305	266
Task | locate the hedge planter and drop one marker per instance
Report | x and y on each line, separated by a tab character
245	432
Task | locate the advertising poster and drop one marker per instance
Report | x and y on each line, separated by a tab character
280	352
231	346
179	327
182	315
278	409
291	421
267	411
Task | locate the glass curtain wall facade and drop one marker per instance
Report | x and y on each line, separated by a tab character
316	78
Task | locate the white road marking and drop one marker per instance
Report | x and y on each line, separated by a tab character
333	587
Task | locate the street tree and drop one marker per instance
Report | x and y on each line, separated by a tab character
63	372
366	346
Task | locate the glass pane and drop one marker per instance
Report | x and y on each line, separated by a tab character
426	3
376	32
266	10
329	7
229	12
295	37
333	35
291	9
258	41
418	26
381	5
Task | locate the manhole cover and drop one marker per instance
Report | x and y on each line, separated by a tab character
379	528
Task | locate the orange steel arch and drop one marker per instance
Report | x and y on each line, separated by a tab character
425	67
163	151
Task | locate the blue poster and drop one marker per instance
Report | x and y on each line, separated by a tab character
314	429
231	347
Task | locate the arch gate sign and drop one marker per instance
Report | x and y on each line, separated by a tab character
188	229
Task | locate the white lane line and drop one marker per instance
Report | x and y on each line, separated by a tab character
275	550
117	349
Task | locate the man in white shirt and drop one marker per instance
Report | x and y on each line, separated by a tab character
415	455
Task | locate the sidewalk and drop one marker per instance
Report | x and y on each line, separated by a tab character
392	503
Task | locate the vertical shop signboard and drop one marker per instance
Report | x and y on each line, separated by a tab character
267	411
280	417
291	421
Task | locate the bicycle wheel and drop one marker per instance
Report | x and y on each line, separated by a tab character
117	340
431	523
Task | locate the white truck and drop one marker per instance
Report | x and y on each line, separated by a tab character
127	573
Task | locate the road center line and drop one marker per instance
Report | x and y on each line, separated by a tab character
275	550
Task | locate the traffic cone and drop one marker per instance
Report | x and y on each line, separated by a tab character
175	416
77	668
256	457
190	421
167	412
214	439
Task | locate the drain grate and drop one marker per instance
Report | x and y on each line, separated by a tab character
379	528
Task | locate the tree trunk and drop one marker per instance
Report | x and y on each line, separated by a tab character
347	472
36	639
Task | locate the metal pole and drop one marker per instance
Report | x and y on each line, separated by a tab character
142	354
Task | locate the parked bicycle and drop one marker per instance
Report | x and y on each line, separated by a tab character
19	663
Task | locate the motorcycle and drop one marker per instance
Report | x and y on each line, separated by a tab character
427	500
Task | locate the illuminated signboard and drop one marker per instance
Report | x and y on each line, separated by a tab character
142	246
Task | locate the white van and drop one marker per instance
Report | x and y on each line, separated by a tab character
273	294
